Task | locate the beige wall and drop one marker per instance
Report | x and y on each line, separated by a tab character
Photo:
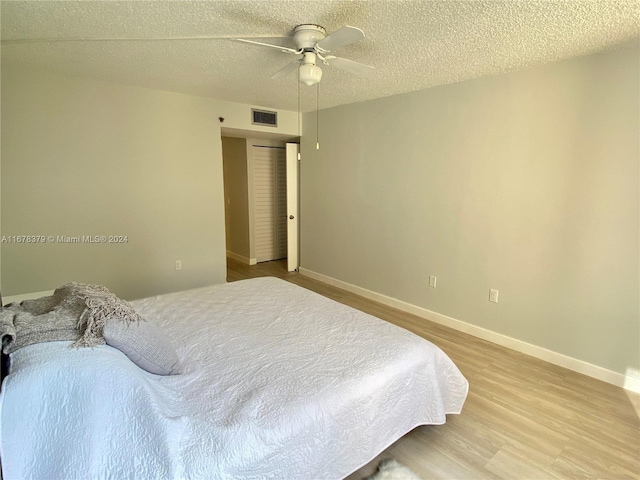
234	154
84	157
526	183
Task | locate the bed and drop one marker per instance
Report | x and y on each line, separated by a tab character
276	382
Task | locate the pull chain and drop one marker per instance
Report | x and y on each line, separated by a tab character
317	116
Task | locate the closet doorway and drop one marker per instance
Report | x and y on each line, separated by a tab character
270	202
261	185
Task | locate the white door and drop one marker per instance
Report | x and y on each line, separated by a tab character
292	207
270	207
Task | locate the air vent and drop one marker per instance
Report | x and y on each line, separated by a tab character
263	117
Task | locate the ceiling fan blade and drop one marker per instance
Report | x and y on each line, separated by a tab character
286	70
132	39
342	36
279	47
356	68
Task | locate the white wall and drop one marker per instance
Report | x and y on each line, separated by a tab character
526	183
84	157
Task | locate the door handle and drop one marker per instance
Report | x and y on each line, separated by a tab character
291	217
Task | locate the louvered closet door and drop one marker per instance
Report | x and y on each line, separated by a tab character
270	202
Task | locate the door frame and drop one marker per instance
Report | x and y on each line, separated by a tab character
258	139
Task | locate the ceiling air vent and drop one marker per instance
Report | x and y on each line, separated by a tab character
263	117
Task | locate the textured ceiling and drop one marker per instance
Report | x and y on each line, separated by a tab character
412	44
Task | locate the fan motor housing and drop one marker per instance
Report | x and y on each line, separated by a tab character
307	35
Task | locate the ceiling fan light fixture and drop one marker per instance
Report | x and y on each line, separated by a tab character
309	74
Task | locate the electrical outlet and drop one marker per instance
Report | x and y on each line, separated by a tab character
493	296
432	281
178	264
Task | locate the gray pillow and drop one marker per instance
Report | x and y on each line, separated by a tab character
145	344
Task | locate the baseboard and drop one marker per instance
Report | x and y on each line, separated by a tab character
630	381
26	296
240	258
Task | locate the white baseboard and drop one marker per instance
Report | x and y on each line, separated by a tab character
630	381
240	258
26	296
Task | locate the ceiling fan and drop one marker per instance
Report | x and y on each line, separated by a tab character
314	46
311	41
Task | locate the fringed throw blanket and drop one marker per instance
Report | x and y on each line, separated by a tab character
75	311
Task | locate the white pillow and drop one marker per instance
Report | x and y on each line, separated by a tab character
145	344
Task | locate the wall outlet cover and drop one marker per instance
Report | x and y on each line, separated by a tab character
493	296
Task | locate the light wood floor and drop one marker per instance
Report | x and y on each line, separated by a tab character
523	418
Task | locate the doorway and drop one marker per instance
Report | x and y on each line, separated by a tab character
261	215
270	202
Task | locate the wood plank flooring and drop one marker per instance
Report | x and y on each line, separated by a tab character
523	419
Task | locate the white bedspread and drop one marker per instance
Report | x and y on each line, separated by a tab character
279	383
